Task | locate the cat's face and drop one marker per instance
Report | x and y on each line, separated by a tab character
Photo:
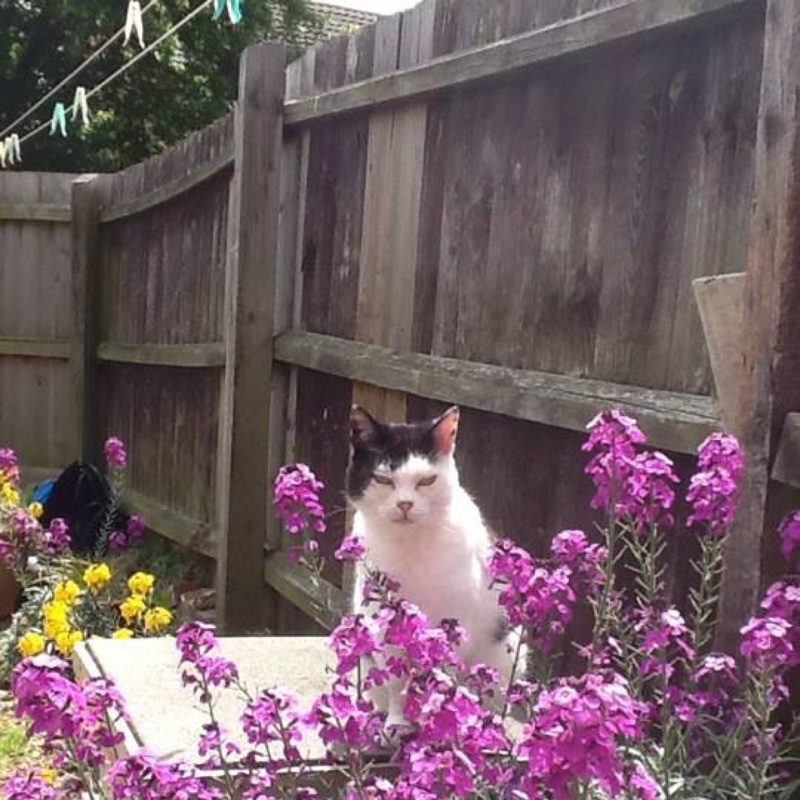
403	475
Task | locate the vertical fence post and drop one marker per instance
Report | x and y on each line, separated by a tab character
242	481
770	382
85	297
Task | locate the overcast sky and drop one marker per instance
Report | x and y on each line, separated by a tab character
378	6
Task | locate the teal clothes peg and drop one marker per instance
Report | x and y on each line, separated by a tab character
59	120
234	8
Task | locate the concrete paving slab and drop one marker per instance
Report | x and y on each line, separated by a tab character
167	719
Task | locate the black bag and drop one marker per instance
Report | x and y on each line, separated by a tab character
81	496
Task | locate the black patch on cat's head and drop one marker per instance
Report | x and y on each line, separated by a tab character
376	443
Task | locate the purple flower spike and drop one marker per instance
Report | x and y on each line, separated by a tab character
714	490
351	549
297	500
116	454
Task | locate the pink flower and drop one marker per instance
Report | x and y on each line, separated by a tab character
714	490
30	784
351	549
116	454
354	638
297	500
574	734
766	642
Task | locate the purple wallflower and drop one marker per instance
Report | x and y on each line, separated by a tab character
766	642
343	720
789	532
56	538
9	465
60	709
30	784
116	454
201	667
297	500
629	484
533	595
144	777
274	717
714	489
355	637
351	549
572	549
574	735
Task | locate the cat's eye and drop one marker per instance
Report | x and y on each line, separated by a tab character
429	481
383	480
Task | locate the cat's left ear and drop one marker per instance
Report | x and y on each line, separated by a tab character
445	429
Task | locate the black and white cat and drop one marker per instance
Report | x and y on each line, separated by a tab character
422	528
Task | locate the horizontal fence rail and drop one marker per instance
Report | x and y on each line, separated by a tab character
627	22
676	421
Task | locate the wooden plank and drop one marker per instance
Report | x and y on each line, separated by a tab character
678	422
317	598
770	377
86	198
206	354
632	21
180	528
169	191
787	460
35	348
35	212
243	485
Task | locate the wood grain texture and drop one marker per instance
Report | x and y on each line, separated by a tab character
675	421
87	195
786	468
36	402
621	23
243	485
770	385
207	354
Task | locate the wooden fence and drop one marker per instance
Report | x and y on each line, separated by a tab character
499	204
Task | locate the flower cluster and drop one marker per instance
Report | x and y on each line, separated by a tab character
22	537
632	485
651	712
534	595
714	489
116	455
73	612
575	734
129	536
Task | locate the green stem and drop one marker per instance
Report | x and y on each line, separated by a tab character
517	654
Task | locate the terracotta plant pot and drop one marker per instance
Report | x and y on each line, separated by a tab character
9	592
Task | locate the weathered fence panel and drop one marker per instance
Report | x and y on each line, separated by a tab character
36	398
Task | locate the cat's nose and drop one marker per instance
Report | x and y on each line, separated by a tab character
405	506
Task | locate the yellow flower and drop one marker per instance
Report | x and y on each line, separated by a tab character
67	592
157	619
96	577
141	583
67	640
36	510
9	494
48	774
132	608
122	633
56	618
31	644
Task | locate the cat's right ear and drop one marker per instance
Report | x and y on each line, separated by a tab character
362	425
